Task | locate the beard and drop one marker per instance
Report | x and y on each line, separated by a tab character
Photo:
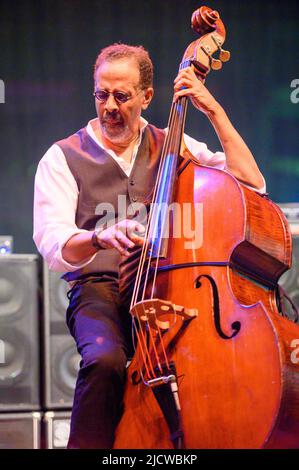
113	127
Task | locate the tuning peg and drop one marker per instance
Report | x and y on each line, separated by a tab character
215	63
224	55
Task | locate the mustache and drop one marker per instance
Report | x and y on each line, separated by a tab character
114	117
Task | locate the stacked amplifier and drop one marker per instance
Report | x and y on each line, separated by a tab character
38	356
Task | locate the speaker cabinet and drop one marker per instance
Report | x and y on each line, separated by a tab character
290	279
20	430
57	429
19	333
61	356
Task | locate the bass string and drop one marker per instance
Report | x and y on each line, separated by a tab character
145	245
147	238
172	144
145	250
176	144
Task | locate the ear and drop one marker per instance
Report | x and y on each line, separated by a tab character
148	95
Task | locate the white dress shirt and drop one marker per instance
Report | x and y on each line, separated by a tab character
56	195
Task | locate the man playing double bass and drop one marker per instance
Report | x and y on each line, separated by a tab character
117	153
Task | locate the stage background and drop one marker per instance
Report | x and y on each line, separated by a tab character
47	50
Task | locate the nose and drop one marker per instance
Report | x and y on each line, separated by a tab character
111	105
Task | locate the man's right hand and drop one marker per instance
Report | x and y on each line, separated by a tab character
122	236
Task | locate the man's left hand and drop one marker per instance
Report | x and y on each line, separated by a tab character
187	84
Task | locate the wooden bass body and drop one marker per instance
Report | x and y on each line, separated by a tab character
238	377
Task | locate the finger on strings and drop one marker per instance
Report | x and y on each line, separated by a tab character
115	244
187	72
135	230
186	82
184	92
123	240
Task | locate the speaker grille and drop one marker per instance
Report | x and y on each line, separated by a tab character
61	357
20	430
19	333
57	429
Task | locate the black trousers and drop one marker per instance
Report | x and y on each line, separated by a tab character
101	327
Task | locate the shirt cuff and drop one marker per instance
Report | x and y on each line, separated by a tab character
58	263
261	190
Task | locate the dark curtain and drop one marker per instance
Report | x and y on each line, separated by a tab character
48	49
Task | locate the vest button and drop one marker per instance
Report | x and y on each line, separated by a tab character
132	182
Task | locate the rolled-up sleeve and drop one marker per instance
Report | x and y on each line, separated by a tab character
55	203
214	160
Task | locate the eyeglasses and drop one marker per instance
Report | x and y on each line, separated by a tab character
119	96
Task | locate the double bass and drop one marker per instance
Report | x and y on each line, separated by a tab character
214	365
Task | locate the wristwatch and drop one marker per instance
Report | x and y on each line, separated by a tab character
94	240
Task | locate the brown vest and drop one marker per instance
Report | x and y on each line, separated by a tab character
101	180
